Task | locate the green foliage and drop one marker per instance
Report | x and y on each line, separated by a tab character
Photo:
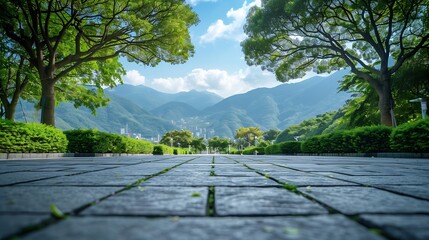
219	143
158	150
198	144
290	147
175	152
311	145
250	134
94	141
18	137
273	149
292	37
82	41
362	140
372	139
310	127
254	150
271	134
177	138
411	137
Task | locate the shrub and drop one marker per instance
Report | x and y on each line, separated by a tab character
411	137
372	139
290	147
311	145
82	141
18	137
273	149
252	150
157	150
175	151
94	141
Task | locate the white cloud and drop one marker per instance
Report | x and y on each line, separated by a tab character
195	2
133	77
233	30
218	81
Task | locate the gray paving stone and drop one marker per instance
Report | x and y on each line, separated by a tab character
401	226
310	180
157	201
263	202
210	181
91	179
12	223
421	191
388	180
19	177
326	227
26	199
357	200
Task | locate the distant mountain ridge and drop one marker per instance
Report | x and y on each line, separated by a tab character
149	98
145	111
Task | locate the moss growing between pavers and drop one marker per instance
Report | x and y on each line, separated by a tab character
211	202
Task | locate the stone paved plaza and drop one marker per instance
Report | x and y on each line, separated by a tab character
215	197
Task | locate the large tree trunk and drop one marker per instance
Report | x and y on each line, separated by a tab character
10	110
385	100
47	102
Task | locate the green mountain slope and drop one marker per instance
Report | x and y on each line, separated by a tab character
149	99
175	110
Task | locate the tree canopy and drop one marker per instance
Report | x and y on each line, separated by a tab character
249	134
372	38
63	39
177	138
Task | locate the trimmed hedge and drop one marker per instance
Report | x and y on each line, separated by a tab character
288	147
16	137
273	149
94	141
359	140
252	150
411	137
162	149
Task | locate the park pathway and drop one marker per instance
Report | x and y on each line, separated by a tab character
215	197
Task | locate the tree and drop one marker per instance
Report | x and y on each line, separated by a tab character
291	37
15	75
409	82
271	134
220	143
67	37
249	134
198	144
177	138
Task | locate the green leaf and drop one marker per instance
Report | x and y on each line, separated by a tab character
56	212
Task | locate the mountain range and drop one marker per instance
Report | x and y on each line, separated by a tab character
145	111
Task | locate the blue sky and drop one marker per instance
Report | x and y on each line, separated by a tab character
218	65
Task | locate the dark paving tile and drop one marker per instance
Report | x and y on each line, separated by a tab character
91	179
19	177
421	191
355	200
262	201
158	201
210	181
26	199
12	223
402	227
310	180
327	227
388	180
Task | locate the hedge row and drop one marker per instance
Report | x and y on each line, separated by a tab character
94	141
410	137
16	137
289	147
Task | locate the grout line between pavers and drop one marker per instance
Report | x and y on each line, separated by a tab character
52	220
355	218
